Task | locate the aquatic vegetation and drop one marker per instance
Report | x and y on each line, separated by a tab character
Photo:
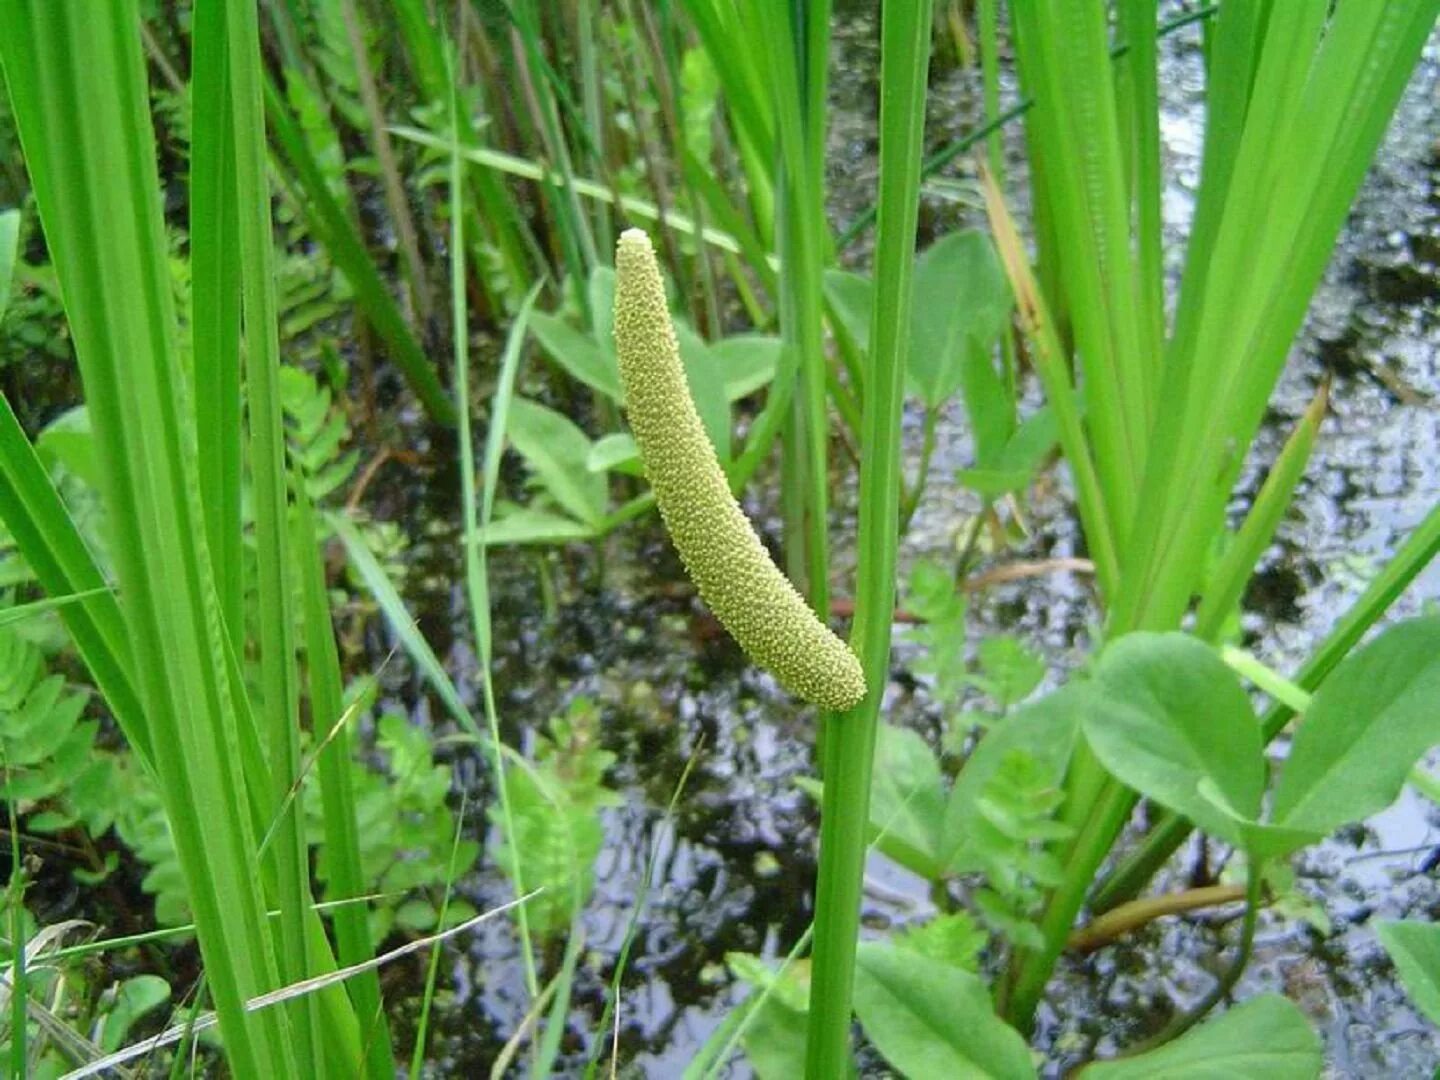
321	626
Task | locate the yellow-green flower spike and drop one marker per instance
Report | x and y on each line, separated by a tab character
731	568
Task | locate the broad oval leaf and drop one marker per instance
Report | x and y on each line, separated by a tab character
851	297
907	800
582	357
557	450
961	301
1266	1038
1414	946
707	388
1366	726
929	1018
1164	714
615	452
747	362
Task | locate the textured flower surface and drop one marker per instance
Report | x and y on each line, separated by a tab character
735	575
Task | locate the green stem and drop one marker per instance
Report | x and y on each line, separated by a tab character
927	451
1183	1023
850	738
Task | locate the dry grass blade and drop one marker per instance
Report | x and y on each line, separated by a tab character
288	993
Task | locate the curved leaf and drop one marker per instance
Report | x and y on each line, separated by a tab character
932	1019
557	450
1266	1038
583	357
1367	725
1164	714
1415	948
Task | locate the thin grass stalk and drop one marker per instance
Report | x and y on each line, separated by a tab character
432	967
655	168
15	906
477	518
797	38
735	53
988	17
667	74
342	843
575	227
593	103
491	209
270	507
850	738
76	78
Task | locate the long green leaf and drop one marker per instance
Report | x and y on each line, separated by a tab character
42	529
77	85
9	239
215	306
332	737
278	706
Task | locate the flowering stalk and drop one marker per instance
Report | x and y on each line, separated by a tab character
736	577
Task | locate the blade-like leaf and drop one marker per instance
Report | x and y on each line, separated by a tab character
9	238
